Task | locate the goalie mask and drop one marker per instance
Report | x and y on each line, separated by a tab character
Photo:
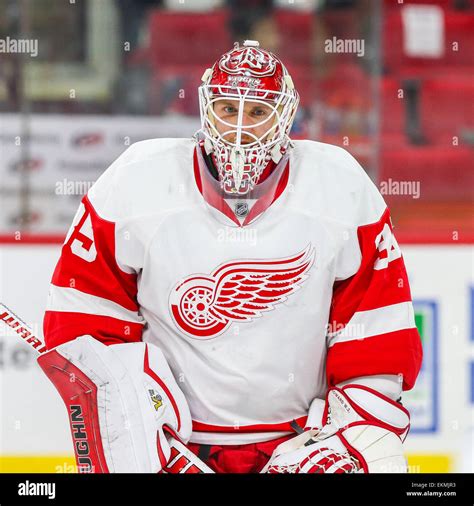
247	103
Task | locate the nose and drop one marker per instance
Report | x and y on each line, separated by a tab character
247	124
248	132
246	120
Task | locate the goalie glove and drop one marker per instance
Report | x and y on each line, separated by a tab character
121	399
362	431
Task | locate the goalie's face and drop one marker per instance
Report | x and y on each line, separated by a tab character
252	121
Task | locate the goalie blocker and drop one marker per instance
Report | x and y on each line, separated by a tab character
121	400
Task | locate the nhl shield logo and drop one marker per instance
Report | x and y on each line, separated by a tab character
241	209
204	306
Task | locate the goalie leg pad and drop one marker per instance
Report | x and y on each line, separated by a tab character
119	398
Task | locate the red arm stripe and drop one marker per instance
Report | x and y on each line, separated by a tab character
60	327
393	353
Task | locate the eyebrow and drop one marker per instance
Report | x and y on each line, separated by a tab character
236	106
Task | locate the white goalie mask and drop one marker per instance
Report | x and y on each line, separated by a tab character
247	104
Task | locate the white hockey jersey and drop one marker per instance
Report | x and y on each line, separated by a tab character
257	306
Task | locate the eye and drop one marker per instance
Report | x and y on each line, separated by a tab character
229	109
260	112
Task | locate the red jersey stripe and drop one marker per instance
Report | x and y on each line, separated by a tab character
396	353
261	427
60	327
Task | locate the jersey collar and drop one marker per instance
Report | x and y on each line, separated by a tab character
259	201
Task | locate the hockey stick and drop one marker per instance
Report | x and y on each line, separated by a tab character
182	459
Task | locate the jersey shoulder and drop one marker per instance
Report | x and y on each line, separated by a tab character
144	179
334	184
150	149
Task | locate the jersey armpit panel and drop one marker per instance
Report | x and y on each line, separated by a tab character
371	326
90	294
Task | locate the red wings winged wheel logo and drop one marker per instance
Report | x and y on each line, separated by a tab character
248	59
204	306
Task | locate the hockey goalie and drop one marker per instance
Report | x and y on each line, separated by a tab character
240	291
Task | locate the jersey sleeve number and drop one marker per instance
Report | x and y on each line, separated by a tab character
80	238
388	248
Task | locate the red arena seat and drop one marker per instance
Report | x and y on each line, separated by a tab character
457	46
392	111
187	38
443	172
175	89
295	31
447	109
305	83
